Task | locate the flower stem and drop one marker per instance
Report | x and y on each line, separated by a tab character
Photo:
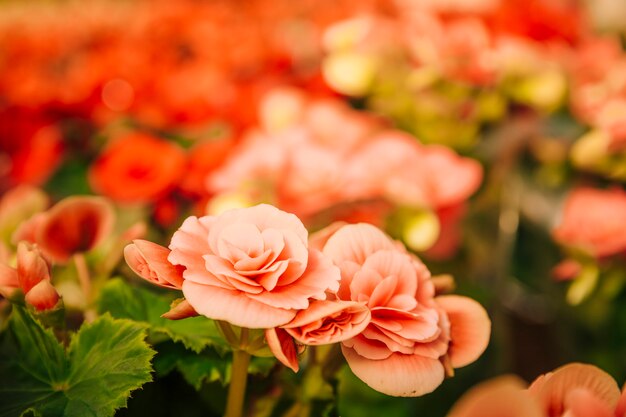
84	279
238	380
83	275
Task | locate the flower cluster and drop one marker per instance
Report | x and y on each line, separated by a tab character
256	268
313	157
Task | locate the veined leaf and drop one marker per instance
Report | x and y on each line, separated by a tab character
105	361
138	304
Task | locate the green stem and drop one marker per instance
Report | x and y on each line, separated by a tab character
238	380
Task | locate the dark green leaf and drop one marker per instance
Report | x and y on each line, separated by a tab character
105	361
138	304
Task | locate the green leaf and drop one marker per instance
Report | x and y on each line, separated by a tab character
105	361
138	304
207	366
196	368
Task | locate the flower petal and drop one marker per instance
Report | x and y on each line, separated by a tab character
552	389
582	403
319	277
470	328
355	242
500	397
42	296
180	310
75	224
32	268
326	322
149	261
234	307
283	346
398	375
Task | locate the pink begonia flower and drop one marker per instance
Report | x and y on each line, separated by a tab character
32	276
594	220
410	333
574	390
74	225
251	267
149	261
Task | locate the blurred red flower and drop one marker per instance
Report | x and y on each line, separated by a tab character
137	167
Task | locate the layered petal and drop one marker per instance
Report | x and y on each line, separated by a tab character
326	322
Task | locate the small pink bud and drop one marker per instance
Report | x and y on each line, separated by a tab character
43	296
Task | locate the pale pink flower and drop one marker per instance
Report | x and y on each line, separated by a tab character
594	220
149	261
251	267
401	351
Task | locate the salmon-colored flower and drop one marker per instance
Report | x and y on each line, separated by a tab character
32	276
149	261
74	225
137	167
584	389
594	220
501	397
574	390
251	267
401	350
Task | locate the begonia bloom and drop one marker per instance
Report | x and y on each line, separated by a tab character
573	390
594	220
137	168
401	350
251	267
74	225
501	397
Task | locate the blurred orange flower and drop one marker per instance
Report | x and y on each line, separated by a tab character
137	168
